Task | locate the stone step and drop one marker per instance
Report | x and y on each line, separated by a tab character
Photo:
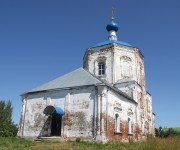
51	138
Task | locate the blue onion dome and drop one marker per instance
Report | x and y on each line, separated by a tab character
112	26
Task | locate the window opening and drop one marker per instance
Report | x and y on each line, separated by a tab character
101	66
117	123
129	126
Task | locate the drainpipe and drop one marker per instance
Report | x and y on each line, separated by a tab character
95	115
100	114
107	114
137	125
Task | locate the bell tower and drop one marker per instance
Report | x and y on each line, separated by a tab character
115	61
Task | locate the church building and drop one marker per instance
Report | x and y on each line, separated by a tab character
103	101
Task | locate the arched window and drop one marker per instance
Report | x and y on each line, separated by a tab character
117	123
129	126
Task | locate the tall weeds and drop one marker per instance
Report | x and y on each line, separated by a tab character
151	144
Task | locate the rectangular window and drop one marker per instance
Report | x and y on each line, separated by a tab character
101	66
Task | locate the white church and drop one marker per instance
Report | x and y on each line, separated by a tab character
105	100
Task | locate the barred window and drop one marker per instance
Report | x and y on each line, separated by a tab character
101	66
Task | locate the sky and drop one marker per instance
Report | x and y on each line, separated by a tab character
43	39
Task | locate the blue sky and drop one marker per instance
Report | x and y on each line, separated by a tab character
44	39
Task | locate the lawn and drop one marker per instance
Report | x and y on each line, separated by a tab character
150	144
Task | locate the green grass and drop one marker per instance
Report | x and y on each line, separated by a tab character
150	144
14	143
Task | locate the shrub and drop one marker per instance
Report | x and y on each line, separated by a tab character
78	140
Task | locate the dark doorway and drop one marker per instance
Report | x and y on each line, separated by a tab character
56	125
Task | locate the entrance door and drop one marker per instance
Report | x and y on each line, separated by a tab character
56	125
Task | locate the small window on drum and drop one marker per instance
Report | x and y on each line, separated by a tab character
101	67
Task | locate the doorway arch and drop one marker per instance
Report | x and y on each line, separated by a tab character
56	114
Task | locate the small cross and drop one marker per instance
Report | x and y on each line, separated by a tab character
113	10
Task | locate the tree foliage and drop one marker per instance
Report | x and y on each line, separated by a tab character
169	132
7	126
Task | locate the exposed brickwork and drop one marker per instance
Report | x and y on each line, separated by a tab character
123	135
67	120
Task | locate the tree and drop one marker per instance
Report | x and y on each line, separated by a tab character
156	132
7	126
161	132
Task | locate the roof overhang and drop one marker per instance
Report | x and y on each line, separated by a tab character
50	110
